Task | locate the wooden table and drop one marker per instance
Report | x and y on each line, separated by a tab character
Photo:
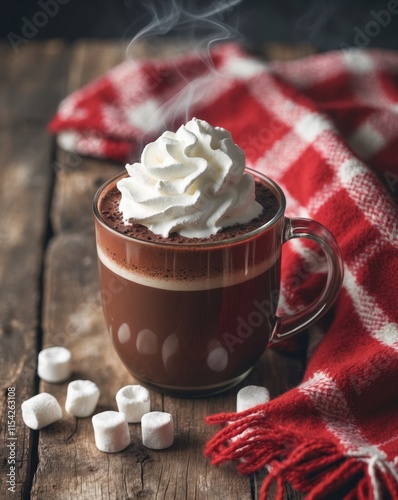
49	296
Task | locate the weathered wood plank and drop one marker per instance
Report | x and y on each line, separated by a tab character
34	86
77	183
20	263
25	184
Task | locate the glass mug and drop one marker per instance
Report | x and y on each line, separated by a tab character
193	319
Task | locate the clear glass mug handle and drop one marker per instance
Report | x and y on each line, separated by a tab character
287	326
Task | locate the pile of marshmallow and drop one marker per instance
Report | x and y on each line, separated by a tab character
111	432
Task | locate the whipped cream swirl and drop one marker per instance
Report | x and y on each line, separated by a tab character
191	182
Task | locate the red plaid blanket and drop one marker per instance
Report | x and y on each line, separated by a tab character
326	129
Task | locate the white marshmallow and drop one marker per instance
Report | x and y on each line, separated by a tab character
54	364
41	410
133	401
157	429
251	395
81	398
111	431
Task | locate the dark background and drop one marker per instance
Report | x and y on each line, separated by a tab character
327	24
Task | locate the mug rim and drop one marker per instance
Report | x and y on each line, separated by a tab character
200	244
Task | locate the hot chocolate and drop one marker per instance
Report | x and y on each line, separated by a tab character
183	316
189	248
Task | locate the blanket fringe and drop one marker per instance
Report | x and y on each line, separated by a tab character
316	467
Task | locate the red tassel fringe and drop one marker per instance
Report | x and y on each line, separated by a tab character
313	466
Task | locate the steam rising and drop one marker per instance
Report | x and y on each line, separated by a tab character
197	28
201	26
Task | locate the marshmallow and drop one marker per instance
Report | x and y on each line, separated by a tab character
54	364
81	398
41	410
251	395
111	431
133	401
157	429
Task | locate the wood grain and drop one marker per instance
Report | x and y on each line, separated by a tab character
25	185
